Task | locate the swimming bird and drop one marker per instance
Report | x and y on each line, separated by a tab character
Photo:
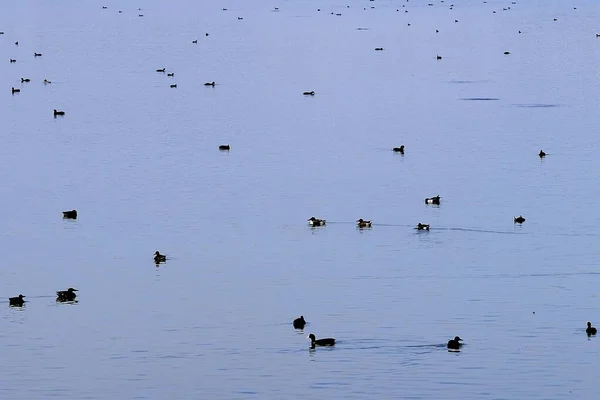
363	224
37	54
320	342
519	219
399	149
438	57
161	70
173	86
422	227
158	258
56	112
70	214
590	329
25	80
378	48
299	323
312	221
433	200
195	41
66	295
239	18
46	81
17	43
542	154
13	90
209	83
16	301
454	344
507	52
12	60
224	147
171	74
311	93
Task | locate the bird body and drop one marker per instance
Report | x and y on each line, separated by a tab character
422	227
519	219
299	323
16	301
158	258
314	342
312	221
361	223
454	344
433	200
590	330
66	295
70	214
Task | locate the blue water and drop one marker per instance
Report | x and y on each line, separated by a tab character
140	162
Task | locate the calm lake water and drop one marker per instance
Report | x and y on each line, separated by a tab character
140	162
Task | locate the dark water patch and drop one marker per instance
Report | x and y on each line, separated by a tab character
463	82
480	98
362	29
537	105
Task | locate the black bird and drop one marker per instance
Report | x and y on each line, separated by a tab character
438	57
433	200
46	81
171	74
195	41
422	227
399	149
56	112
378	48
17	301
454	344
320	342
542	154
66	295
12	60
158	258
299	323
173	86
25	80
311	93
224	147
519	219
361	223
590	329
13	90
70	214
312	221
210	83
161	70
37	54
